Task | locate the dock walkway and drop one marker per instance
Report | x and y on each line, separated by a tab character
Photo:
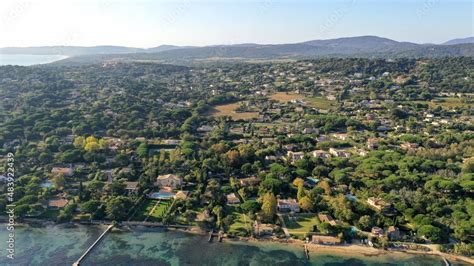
77	262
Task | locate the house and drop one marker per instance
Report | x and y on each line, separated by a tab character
320	154
341	136
271	158
168	180
325	240
409	146
131	187
237	130
172	141
288	205
232	199
181	195
372	143
295	156
249	181
377	203
311	181
57	204
260	229
205	128
326	218
339	153
393	233
377	231
66	171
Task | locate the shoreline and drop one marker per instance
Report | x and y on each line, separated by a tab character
352	250
348	250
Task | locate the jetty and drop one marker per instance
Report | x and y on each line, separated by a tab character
446	262
77	262
211	234
306	252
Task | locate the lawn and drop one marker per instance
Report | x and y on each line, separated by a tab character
49	214
286	97
316	102
242	224
300	224
320	103
144	209
161	209
446	102
229	110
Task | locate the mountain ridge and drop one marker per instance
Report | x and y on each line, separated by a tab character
358	46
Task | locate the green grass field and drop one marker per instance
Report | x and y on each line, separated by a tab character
320	103
447	102
300	224
242	224
146	207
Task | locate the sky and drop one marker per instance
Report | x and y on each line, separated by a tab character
147	23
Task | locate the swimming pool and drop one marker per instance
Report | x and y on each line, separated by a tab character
164	195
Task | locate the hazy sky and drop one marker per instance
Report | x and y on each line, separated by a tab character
143	23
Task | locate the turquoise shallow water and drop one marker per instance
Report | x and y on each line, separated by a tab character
28	60
59	245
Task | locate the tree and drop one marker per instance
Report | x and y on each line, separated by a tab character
298	182
325	185
59	181
250	206
217	210
79	142
365	222
468	166
117	208
90	206
301	193
92	146
142	150
306	203
430	232
269	205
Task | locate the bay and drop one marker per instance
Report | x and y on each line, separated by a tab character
28	60
62	245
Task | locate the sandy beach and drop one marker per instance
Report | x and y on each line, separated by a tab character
354	250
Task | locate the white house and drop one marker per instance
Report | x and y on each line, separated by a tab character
168	180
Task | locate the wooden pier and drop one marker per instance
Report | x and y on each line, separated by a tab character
306	252
211	234
446	262
77	263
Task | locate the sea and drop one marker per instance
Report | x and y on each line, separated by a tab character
27	59
63	245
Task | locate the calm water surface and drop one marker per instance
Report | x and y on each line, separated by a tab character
60	245
28	60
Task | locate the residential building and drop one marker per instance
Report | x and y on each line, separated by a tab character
288	205
325	240
169	180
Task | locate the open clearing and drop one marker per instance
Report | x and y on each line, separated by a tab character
229	110
447	102
315	102
300	224
286	96
242	224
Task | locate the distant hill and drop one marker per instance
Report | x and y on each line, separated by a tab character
460	41
361	46
70	50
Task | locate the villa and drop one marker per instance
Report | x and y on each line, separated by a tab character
168	180
288	205
66	171
325	240
232	199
